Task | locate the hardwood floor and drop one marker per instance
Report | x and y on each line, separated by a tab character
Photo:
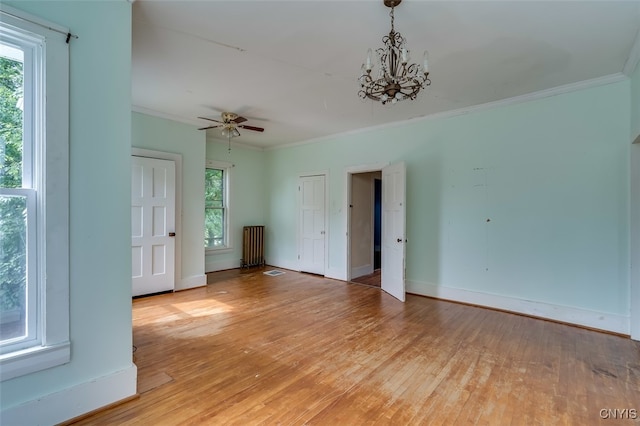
373	279
299	349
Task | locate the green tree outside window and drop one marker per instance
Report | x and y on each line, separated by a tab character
215	209
13	227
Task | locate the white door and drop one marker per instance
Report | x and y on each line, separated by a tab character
393	230
152	225
312	224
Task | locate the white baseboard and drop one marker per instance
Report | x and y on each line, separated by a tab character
221	265
333	273
593	319
74	401
284	264
361	270
192	282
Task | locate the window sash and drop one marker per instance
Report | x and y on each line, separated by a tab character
220	204
33	119
222	238
31	336
32	47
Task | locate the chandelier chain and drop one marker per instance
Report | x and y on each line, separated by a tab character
392	19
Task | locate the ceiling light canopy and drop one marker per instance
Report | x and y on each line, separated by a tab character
396	79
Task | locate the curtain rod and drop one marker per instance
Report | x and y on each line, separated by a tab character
68	34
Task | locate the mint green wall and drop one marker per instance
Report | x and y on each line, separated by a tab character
550	174
247	197
170	136
635	103
635	204
100	184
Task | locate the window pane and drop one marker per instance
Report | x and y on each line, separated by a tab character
11	101
214	228
214	188
13	266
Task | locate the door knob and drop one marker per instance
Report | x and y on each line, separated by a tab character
172	234
399	240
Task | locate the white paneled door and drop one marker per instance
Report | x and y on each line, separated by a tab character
312	224
393	230
152	225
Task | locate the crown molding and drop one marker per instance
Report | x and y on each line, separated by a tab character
158	114
634	57
559	90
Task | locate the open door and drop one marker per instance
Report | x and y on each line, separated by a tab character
393	229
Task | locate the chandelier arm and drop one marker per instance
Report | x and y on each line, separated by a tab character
396	79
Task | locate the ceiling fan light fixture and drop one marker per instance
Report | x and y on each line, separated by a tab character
229	130
229	124
396	79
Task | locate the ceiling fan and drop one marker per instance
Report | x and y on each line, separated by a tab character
229	124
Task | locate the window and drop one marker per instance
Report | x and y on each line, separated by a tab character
34	194
17	202
216	206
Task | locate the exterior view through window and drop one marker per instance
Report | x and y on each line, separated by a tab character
14	199
215	209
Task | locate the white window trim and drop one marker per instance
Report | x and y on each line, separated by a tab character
226	168
52	173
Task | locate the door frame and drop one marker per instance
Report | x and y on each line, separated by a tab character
177	159
349	171
325	174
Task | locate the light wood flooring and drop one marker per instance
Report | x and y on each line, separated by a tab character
373	279
299	349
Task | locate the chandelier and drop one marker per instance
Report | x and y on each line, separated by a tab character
396	79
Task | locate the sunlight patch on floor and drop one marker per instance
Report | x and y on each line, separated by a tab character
199	308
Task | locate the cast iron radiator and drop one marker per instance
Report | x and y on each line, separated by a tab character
252	246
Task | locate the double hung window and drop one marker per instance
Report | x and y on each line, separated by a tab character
34	194
217	206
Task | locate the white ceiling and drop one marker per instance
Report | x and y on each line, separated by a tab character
292	66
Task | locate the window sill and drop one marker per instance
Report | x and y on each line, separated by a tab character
19	363
211	251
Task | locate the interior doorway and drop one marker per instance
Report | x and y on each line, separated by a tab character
365	209
360	250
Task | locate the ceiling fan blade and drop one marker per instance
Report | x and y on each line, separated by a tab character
210	127
239	120
210	119
255	129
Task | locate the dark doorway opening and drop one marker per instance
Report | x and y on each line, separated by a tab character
377	224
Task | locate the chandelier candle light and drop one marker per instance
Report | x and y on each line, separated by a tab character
396	79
